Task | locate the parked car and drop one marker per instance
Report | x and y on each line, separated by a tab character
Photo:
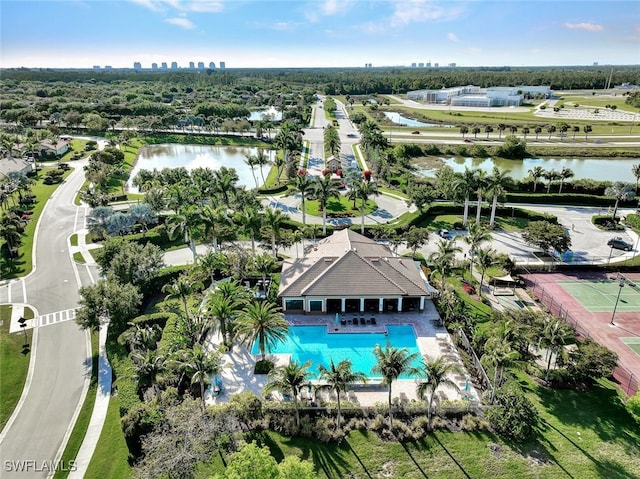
415	132
619	243
444	233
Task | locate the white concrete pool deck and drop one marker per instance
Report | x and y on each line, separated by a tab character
432	340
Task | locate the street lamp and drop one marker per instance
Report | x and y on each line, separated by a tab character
622	280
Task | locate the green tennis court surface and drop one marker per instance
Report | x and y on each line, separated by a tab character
600	296
633	343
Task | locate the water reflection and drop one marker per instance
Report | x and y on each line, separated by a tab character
610	169
199	156
398	119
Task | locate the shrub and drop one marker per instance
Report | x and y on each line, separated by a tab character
590	361
263	366
514	414
633	220
454	408
471	422
633	406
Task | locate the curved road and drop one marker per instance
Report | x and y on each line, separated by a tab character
60	364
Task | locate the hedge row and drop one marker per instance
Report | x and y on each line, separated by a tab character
566	199
633	220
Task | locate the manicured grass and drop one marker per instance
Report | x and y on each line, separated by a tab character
501	222
341	205
110	459
73	239
78	258
14	363
82	423
391	192
22	265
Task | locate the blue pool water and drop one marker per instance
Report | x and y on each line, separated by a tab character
314	343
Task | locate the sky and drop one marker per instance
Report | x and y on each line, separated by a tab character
318	33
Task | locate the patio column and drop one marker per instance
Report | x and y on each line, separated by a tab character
343	305
361	304
421	303
381	305
400	304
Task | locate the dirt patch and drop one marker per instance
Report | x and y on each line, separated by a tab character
428	162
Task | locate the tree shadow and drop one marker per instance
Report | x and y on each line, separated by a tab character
415	463
444	448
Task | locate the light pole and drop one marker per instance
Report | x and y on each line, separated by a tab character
621	284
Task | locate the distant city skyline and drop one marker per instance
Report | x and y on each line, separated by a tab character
321	33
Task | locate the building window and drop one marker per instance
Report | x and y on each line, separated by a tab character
294	304
315	305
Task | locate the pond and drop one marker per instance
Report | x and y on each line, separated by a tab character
199	156
271	114
610	169
398	119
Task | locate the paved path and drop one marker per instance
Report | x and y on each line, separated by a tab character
60	366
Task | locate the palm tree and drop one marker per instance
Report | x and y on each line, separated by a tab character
142	337
463	187
363	191
262	322
211	262
480	184
496	185
525	132
225	182
264	264
391	364
182	288
537	130
565	174
621	192
464	130
501	128
536	173
436	373
274	219
200	364
148	365
185	223
485	258
551	129
587	130
555	335
338	378
499	354
250	221
488	129
550	176
443	258
477	234
635	170
475	130
303	185
289	379
575	129
324	189
224	312
262	159
251	162
332	140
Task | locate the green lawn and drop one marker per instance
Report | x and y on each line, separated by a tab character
78	258
14	364
82	423
341	205
501	222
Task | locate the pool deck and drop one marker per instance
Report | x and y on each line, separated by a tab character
431	338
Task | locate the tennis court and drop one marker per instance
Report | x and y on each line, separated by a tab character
600	296
633	343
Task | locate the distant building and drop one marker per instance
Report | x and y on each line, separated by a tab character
164	65
137	66
174	65
54	147
595	64
223	65
200	65
436	65
413	65
421	65
471	95
96	68
428	64
192	66
452	65
154	66
212	65
108	68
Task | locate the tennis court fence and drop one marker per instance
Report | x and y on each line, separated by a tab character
627	380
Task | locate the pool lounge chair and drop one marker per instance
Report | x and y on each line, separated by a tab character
373	320
362	321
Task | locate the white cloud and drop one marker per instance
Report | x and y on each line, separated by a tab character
199	6
590	27
453	37
181	22
410	11
327	8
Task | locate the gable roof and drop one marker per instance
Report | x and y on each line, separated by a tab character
11	164
349	264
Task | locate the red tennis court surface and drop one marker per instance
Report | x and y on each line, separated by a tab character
549	290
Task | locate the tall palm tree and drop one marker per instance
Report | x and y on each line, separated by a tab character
496	185
391	363
264	264
485	258
148	365
565	174
186	222
550	176
477	234
501	128
443	258
536	173
274	219
332	140
555	335
251	162
635	170
537	130
303	185
463	187
199	364
223	311
436	375
324	189
621	192
262	160
262	322
289	379
499	354
213	219
250	221
212	262
141	337
225	182
338	377
525	132
182	288
488	129
551	129
480	185
363	191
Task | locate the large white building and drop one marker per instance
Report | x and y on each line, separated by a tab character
471	95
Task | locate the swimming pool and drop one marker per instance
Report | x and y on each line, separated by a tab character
314	343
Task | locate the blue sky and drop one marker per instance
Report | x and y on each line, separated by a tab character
322	33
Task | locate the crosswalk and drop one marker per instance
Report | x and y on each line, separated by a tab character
56	317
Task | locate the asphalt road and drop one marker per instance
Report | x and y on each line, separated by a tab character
38	430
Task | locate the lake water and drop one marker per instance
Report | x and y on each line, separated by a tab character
271	114
398	119
199	156
611	169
